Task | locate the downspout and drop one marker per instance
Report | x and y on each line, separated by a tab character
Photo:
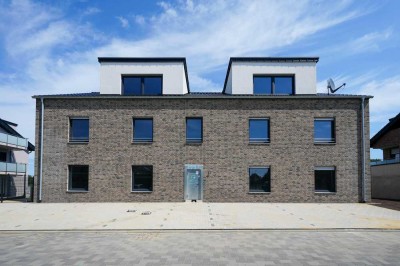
41	150
363	190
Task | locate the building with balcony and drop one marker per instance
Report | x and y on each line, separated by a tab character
385	174
14	153
268	136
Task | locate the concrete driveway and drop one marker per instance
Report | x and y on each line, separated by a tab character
187	215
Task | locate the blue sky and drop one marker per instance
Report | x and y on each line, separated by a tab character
51	47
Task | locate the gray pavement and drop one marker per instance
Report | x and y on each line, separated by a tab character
200	215
247	247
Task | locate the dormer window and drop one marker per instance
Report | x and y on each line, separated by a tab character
142	85
273	84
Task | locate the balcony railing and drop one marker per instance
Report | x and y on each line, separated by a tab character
12	168
13	141
391	161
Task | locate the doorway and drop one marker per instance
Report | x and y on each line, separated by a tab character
193	181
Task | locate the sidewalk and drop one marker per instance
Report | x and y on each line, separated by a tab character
187	215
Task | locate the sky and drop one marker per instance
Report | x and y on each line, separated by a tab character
50	47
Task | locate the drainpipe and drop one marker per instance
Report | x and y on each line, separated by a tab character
363	189
41	150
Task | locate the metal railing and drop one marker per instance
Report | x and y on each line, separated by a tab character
10	168
11	140
391	161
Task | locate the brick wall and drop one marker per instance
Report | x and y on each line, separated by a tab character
225	153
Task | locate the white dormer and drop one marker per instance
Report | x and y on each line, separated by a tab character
271	75
143	76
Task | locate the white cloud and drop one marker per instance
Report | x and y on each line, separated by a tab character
140	20
124	22
91	11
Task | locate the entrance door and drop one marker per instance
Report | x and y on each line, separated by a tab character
193	182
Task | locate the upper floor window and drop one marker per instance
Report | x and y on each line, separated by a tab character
324	130
3	156
269	84
194	130
143	130
259	130
142	85
79	130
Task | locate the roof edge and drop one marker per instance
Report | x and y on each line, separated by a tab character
384	130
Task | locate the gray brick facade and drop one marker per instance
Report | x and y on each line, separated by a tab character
225	152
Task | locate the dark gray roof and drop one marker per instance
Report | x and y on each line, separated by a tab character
4	124
267	59
393	124
147	60
197	95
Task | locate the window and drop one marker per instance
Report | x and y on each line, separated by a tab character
324	130
194	130
3	156
394	153
325	179
273	84
142	178
142	85
142	130
260	179
78	178
79	130
259	130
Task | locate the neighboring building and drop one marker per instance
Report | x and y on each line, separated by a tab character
386	173
268	137
14	158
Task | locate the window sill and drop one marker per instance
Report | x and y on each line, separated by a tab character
258	192
259	143
78	142
323	192
77	191
142	143
138	191
193	143
325	143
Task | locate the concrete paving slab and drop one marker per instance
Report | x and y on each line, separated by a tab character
200	215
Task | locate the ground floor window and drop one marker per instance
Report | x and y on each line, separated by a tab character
142	178
78	178
260	179
325	179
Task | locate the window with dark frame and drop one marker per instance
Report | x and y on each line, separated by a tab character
79	129
142	178
78	178
273	84
259	130
141	85
3	156
143	130
194	130
259	179
325	179
324	130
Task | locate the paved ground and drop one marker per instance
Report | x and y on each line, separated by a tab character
100	216
201	248
389	204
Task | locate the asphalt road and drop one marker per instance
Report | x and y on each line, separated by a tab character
265	247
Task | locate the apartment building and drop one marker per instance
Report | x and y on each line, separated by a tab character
14	159
268	136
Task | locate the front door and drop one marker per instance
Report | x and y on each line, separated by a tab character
193	182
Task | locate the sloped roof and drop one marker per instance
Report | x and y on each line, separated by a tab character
393	124
4	124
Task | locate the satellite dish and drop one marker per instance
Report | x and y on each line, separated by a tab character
331	86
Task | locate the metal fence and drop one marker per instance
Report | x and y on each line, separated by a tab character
391	161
